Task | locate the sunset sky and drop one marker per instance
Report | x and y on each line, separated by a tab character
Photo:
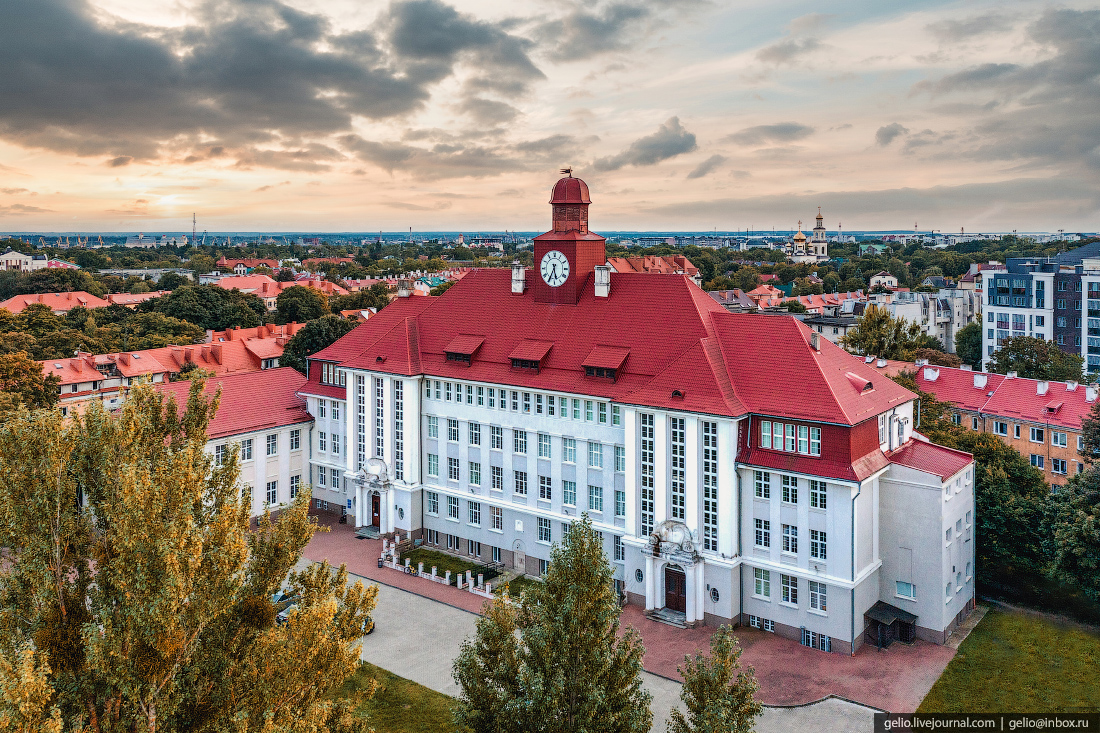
356	115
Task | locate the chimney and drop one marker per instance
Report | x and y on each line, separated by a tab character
1041	388
980	380
188	354
603	281
930	374
216	352
124	359
815	340
1071	386
1011	375
519	279
404	288
966	367
1090	393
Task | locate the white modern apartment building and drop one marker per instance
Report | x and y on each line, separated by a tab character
486	420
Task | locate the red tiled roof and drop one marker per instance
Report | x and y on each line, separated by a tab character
531	350
969	390
858	470
1019	399
606	357
134	298
462	344
57	302
241	410
82	368
931	458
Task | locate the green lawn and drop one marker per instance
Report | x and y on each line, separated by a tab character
400	705
444	562
516	586
1013	663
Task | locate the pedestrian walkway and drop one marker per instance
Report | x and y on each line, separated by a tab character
894	679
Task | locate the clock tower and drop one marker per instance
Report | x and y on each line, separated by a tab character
568	254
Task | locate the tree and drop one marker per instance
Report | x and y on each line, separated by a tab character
314	336
1036	358
26	693
284	275
880	334
300	304
133	569
442	288
1073	528
937	357
794	306
1090	435
140	286
210	307
22	377
717	692
201	264
377	296
171	281
968	344
567	669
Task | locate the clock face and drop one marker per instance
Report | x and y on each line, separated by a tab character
554	268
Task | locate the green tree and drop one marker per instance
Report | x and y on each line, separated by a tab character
1073	530
314	336
718	693
793	306
27	705
880	334
135	572
210	307
22	377
1036	358
968	344
442	288
200	264
571	670
300	304
1090	435
377	296
937	357
171	281
140	286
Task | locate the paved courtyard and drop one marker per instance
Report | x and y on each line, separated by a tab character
790	674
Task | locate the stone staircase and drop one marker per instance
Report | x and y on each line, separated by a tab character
667	616
367	532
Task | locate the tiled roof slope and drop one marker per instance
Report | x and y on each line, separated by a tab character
931	458
240	410
679	339
1020	399
969	390
58	302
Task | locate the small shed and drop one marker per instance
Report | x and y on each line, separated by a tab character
886	624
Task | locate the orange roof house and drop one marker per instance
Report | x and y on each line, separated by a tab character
57	302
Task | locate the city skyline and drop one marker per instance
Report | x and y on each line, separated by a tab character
339	116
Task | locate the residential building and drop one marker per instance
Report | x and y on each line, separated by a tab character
884	279
57	302
12	260
272	434
269	290
131	300
833	328
735	301
243	266
1021	300
638	400
940	315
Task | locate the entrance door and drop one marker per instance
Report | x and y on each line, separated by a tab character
375	510
675	589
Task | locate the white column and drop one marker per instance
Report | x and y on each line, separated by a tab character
385	522
412	430
360	506
693	485
692	582
630	432
387	421
650	583
700	591
729	524
660	467
351	448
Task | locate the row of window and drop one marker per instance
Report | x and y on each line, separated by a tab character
328	407
762	484
271	445
271	496
789	585
958	586
330	478
520	442
763	539
324	445
1059	466
524	402
790	438
545	483
957	531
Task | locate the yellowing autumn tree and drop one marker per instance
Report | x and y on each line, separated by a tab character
132	570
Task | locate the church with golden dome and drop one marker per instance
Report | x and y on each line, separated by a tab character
811	249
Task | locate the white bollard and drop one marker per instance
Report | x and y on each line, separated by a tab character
420	568
469	578
407	562
433	572
447	577
480	580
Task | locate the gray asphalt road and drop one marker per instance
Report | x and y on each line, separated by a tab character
418	638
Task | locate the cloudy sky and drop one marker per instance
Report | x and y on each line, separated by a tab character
363	115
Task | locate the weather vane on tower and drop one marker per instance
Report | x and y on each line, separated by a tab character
568	171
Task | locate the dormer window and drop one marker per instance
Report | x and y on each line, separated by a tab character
790	438
529	355
605	362
460	358
461	349
529	364
600	372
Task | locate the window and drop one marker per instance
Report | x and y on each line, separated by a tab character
519	441
790	489
272	492
588	410
790	538
569	450
947	535
475	513
515	401
603	413
321	476
817	544
595	455
1037	460
762	583
620	550
816	640
882	428
569	493
544	529
219	455
789	429
527	403
620	458
1058	438
576	409
818	495
1016	431
563	407
815	441
956	418
545	488
321	407
295	485
1058	465
620	503
905	590
544	565
763	485
1000	428
521	482
433	502
452	507
474	429
433	427
710	486
1037	435
473	547
433	464
496	518
678	483
334	478
335	444
246	449
790	589
544	445
763	533
595	498
481	397
968	574
475	474
335	410
452	430
497	477
948	592
496	437
452	469
470	399
818	596
616	415
447	391
492	397
973	423
766	435
803	439
646	430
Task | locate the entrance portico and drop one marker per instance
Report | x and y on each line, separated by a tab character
373	496
674	572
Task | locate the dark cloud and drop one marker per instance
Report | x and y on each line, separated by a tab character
780	132
707	166
253	79
584	33
888	133
120	161
488	111
966	28
670	140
